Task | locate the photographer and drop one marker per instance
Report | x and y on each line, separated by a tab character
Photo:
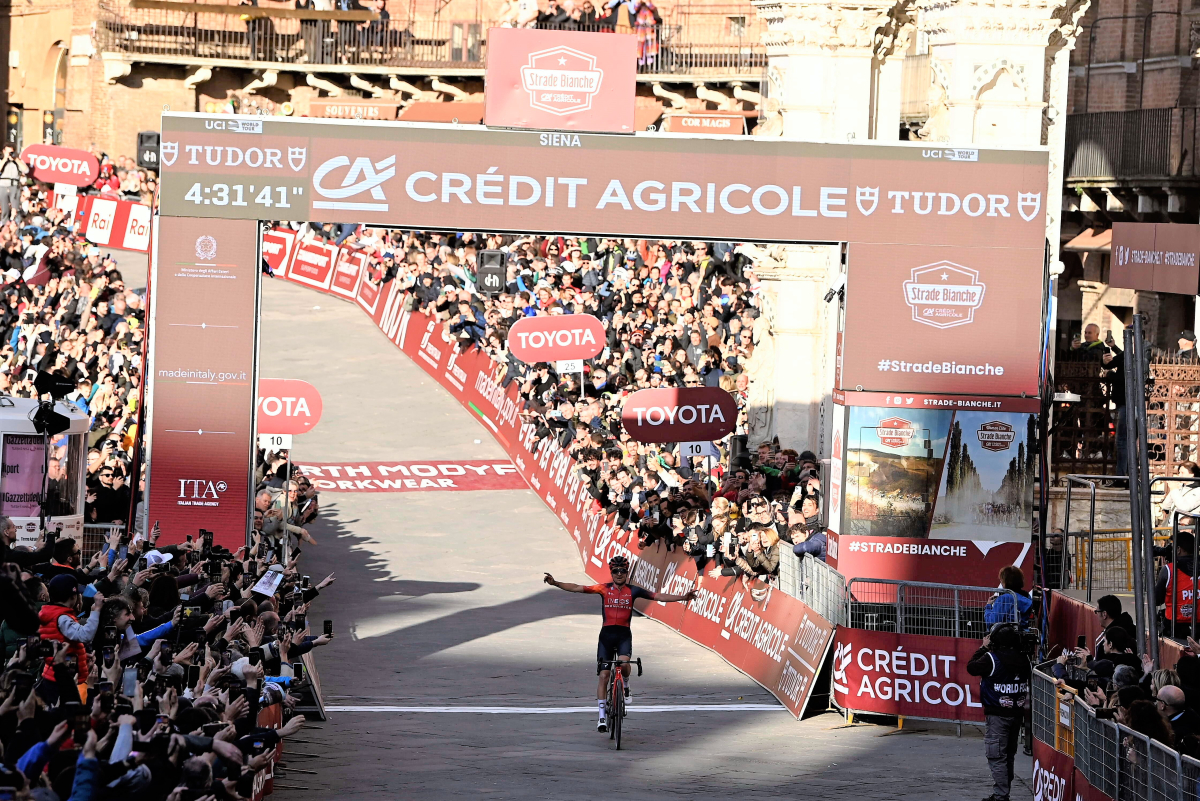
1005	673
12	170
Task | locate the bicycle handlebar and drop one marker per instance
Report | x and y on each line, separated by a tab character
606	664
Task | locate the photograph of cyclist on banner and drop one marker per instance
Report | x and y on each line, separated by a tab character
616	637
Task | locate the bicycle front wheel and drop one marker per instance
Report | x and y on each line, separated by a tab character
618	713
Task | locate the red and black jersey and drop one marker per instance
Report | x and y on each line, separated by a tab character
618	601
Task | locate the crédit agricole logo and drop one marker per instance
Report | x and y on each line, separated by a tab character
561	80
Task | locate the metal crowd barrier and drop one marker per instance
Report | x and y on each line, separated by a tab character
96	534
918	607
1103	558
818	585
1116	760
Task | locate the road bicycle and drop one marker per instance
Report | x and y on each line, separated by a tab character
614	694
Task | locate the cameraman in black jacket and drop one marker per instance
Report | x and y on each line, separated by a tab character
1005	673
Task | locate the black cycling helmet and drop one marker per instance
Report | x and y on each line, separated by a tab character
618	562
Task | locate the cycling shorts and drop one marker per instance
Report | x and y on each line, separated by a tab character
614	641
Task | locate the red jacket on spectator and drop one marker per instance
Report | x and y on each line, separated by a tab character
48	616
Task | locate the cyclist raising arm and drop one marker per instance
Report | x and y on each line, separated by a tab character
616	638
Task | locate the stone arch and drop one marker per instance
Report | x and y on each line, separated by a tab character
1001	108
988	75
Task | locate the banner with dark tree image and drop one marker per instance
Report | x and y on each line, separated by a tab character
986	490
941	474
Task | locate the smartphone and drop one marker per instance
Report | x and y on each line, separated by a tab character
189	537
106	701
166	653
22	685
193	675
255	656
298	671
210	729
304	582
104	687
143	671
108	656
1081	641
329	627
110	634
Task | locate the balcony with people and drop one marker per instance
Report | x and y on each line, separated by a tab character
346	36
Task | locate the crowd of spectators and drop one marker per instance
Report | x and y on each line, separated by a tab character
1124	686
132	670
149	672
676	314
66	310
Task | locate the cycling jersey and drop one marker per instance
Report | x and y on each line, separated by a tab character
618	601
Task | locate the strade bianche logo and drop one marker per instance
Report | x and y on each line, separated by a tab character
944	294
996	436
895	432
561	80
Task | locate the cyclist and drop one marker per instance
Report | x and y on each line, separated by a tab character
616	638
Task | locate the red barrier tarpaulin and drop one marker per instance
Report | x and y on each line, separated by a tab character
1053	773
906	675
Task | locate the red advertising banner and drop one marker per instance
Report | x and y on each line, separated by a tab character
313	264
369	288
684	414
202	373
905	675
941	561
942	308
918	400
560	80
742	189
287	406
277	247
560	337
777	640
1159	257
1053	773
1083	790
119	224
726	124
414	476
53	164
348	266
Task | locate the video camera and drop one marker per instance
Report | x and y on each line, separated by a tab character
1022	639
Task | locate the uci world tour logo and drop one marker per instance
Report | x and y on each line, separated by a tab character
561	80
944	294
